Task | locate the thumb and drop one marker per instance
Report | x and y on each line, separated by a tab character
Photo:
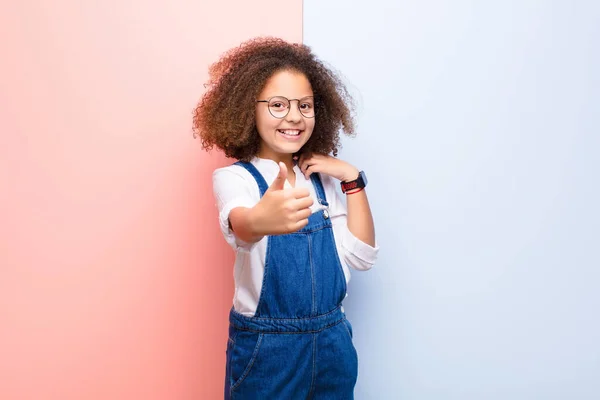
280	179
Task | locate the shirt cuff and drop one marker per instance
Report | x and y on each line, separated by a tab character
228	234
359	255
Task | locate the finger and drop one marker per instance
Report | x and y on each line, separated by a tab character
279	182
304	213
301	224
309	170
305	159
312	169
304	203
304	166
300	193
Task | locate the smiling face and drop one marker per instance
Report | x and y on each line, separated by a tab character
282	137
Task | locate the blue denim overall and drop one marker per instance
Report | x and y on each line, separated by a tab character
299	343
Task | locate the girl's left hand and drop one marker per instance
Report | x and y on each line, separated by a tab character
325	164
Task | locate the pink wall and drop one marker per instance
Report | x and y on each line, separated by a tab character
114	280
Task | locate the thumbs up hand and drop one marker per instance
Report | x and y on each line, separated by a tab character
281	210
279	182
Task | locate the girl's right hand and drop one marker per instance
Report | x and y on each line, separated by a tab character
280	210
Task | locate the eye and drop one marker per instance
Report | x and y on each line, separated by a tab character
306	106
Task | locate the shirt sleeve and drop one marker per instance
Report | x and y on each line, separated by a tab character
232	190
355	253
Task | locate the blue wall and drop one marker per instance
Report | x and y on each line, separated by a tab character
483	123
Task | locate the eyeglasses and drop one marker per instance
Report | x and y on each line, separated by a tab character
279	106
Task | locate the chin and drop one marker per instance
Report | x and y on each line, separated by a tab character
290	149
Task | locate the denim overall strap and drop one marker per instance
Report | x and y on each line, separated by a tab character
316	180
262	184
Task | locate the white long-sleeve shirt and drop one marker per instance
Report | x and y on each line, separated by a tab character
234	187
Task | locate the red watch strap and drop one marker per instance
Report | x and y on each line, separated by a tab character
349	185
359	190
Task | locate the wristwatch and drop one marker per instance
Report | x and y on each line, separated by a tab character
358	183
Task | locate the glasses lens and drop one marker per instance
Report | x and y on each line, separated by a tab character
279	107
307	107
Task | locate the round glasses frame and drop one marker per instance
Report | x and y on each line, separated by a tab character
288	102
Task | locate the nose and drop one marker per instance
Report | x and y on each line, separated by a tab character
294	114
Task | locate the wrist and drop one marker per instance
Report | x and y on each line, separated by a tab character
351	186
253	218
350	175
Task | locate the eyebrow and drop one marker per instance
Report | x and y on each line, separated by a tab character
289	98
281	95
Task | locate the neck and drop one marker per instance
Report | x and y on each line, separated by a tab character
287	159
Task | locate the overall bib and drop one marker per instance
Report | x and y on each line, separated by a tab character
299	343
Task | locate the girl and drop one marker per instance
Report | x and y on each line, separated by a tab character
277	109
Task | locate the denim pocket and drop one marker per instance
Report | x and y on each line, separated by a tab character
243	355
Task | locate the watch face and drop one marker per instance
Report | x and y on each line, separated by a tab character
364	177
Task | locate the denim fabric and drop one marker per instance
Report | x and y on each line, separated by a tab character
299	343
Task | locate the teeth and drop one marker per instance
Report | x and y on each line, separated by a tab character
289	132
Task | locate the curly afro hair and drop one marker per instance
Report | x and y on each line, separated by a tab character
225	116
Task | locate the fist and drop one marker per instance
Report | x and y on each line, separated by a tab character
280	210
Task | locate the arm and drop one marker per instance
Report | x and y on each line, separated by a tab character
279	211
353	251
241	222
360	219
233	191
